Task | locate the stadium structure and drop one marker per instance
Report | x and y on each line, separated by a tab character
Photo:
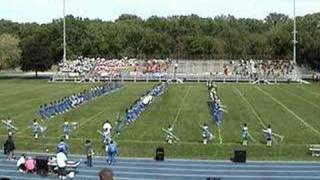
101	69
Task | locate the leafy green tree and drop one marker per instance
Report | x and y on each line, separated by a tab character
10	52
36	52
177	36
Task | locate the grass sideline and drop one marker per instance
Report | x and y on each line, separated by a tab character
292	109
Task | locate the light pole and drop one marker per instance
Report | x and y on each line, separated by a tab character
64	32
294	33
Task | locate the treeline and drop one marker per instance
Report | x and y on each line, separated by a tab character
190	37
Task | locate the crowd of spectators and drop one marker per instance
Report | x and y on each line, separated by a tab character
79	67
111	68
255	68
142	103
52	109
153	66
101	68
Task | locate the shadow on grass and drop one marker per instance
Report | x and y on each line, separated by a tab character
6	77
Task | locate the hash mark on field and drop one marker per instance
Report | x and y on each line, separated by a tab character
181	105
300	97
289	110
250	107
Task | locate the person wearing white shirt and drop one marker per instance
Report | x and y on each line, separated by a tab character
107	127
21	163
61	163
268	134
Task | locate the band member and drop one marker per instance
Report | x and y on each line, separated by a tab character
268	135
245	134
9	126
35	129
206	134
66	130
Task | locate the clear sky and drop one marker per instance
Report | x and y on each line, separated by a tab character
43	11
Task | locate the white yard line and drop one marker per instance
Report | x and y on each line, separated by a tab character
90	118
255	113
181	105
251	107
290	111
309	91
220	136
300	97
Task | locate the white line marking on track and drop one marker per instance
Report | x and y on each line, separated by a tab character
290	111
205	175
202	167
49	177
190	169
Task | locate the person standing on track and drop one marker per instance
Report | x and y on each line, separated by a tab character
62	146
61	163
89	152
9	147
112	152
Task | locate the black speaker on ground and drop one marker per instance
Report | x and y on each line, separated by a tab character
240	156
42	165
159	154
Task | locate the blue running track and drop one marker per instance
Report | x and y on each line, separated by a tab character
148	169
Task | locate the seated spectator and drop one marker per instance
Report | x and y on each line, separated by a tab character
21	163
30	165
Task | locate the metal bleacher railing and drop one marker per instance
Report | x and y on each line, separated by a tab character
189	70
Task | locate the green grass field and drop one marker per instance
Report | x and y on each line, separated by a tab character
292	109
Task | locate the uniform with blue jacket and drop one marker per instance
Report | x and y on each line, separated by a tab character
62	146
112	152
